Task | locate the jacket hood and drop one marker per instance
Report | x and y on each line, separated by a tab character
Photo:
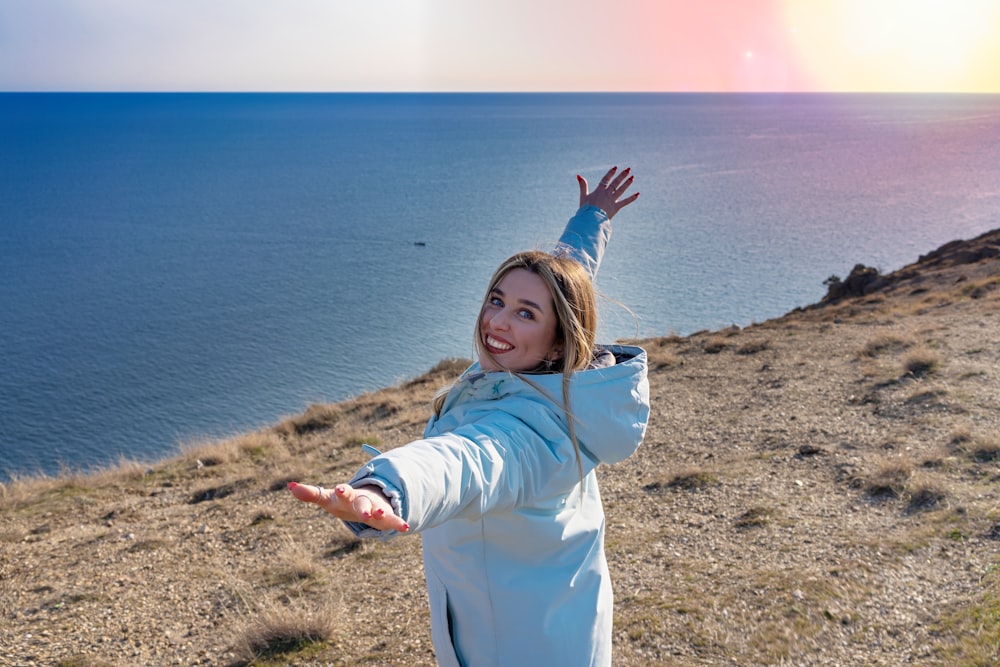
610	405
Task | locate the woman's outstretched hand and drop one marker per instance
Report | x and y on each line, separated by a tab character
365	504
609	193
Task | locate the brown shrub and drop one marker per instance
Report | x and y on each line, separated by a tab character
921	361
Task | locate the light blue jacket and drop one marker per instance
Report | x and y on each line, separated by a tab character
513	538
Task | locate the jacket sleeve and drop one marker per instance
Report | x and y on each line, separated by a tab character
586	236
477	468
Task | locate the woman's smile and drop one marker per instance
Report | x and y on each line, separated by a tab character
497	346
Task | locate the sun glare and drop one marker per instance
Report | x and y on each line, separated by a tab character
899	45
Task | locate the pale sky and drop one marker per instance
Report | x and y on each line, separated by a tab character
500	45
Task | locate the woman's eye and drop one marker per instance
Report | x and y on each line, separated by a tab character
526	314
496	301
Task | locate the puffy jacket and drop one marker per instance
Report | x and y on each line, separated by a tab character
513	536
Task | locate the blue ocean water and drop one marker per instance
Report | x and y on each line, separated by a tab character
175	267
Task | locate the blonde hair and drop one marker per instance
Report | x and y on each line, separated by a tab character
575	307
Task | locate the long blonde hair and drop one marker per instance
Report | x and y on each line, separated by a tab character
575	306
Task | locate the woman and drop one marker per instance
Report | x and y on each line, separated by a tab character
502	487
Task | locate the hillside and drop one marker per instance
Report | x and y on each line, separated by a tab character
818	489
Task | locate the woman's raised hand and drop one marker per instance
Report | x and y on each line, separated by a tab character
609	193
365	504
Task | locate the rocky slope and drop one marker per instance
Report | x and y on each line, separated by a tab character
818	489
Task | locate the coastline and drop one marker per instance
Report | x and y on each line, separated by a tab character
819	488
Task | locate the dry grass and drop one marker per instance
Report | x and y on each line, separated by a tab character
889	481
804	497
82	661
986	451
30	490
315	419
970	629
284	635
715	344
753	347
693	479
921	362
885	343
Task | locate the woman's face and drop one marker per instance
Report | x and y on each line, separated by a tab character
518	324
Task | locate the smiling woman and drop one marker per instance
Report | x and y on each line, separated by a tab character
898	45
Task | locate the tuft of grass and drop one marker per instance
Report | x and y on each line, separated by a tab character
884	343
660	358
980	289
210	453
889	482
988	452
921	362
755	517
753	347
925	498
283	632
693	480
978	450
220	491
316	419
715	344
959	438
82	661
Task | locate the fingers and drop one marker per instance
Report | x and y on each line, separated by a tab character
360	503
606	180
628	200
616	185
622	181
584	189
371	507
307	493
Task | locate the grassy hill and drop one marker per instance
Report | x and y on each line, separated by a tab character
818	489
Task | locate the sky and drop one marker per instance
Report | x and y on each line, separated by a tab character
501	45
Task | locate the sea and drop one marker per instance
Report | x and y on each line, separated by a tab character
178	268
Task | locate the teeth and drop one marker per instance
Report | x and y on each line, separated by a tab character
498	345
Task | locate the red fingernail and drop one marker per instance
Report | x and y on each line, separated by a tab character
340	490
579	178
380	513
406	527
292	485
